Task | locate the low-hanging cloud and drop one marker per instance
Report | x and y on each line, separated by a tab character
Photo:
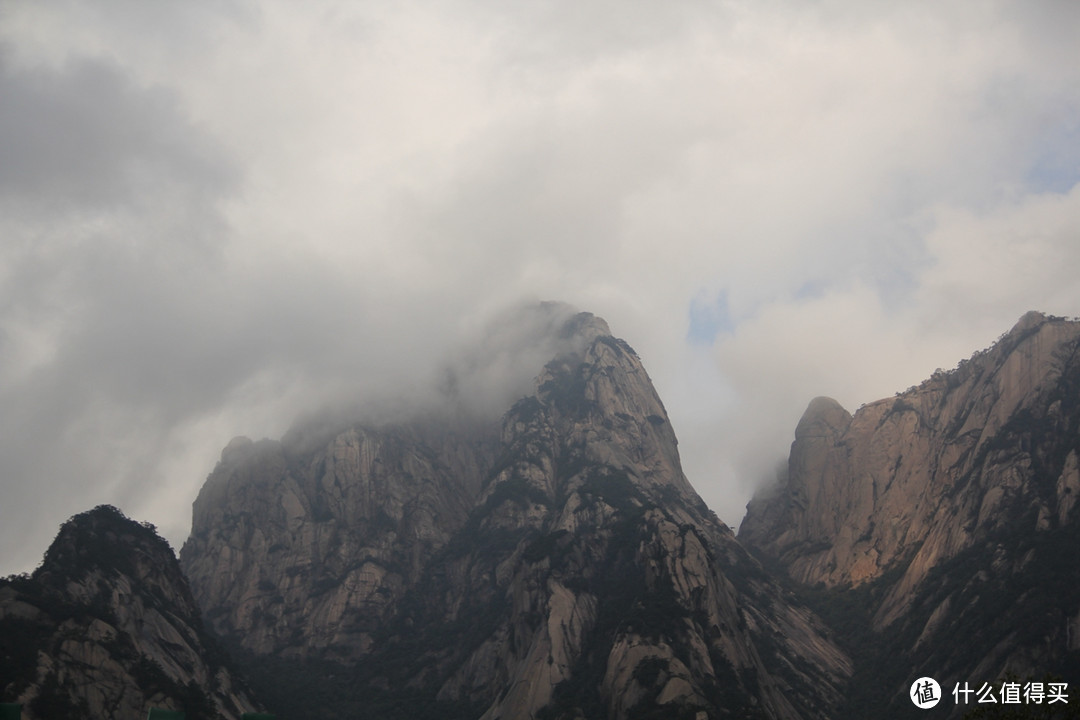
217	217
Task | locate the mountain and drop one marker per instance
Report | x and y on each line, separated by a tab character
554	564
107	627
938	529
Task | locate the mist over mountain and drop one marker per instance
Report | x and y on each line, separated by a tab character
551	560
554	564
473	379
217	217
937	529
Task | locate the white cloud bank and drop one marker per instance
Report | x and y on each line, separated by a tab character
215	216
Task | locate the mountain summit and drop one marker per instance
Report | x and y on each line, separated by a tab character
941	523
106	627
557	564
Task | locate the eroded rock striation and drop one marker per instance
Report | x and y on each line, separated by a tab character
946	513
107	628
557	564
305	548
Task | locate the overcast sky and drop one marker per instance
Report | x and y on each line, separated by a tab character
216	215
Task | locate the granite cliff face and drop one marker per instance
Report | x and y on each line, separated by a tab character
947	513
107	628
557	565
305	547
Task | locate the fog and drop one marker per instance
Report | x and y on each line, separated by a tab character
216	218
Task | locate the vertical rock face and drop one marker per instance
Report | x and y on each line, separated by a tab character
302	547
947	510
557	566
107	627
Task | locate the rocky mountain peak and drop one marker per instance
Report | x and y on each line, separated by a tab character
107	627
823	418
104	542
926	503
561	566
585	328
862	491
1030	320
237	450
603	404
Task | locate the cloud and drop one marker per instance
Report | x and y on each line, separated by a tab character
84	136
987	263
981	269
217	217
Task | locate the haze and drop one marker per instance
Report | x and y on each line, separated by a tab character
216	216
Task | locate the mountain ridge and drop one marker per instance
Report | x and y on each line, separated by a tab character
107	627
557	563
945	512
587	577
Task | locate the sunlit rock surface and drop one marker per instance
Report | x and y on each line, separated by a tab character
946	512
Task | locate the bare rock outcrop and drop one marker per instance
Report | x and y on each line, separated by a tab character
107	628
927	504
559	565
302	547
917	477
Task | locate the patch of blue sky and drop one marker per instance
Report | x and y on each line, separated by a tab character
709	318
1056	168
811	290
